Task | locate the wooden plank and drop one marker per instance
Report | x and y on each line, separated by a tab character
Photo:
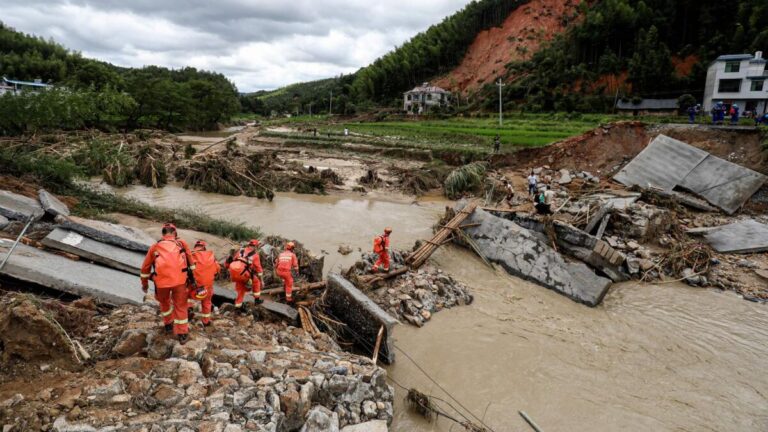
603	226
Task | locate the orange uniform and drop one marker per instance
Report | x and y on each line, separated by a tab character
166	264
205	272
381	247
246	266
286	262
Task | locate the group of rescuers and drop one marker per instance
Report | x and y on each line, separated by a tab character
543	197
182	275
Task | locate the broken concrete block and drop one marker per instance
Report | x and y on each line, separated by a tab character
18	207
746	236
92	250
3	222
52	205
363	316
565	177
281	309
118	235
528	255
80	278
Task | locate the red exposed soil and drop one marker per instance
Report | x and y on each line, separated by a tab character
684	67
519	37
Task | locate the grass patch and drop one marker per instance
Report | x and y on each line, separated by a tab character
95	203
468	178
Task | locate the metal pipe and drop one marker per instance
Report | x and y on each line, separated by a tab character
529	421
18	239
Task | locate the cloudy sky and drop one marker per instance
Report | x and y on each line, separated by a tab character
258	44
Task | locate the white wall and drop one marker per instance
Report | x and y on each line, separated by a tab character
716	72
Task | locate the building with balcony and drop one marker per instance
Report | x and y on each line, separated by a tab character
738	79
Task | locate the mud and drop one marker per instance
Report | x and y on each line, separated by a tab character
652	357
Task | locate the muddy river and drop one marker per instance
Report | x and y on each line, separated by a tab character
651	358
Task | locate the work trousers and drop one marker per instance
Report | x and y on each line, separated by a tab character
206	304
173	307
287	278
241	287
382	262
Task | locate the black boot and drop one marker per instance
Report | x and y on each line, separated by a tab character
183	338
168	328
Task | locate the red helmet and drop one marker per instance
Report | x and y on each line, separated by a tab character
387	230
290	245
254	243
201	244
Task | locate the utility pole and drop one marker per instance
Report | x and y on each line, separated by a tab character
330	104
501	105
310	109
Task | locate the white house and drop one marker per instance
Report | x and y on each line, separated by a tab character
15	86
422	98
739	79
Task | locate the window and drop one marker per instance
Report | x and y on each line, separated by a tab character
732	66
429	96
409	97
729	86
757	85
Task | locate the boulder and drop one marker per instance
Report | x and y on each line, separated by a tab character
371	426
321	419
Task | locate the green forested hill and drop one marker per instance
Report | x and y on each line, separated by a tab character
106	95
634	41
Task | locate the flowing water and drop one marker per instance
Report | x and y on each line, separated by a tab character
650	358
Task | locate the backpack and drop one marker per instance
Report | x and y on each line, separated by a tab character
378	244
170	264
239	270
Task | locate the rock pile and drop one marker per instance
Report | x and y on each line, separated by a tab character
415	296
237	375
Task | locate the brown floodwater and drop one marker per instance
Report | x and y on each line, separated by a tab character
650	358
320	222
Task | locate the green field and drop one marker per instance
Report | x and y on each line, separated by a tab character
471	137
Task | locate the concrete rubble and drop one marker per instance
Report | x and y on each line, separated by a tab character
742	237
237	375
667	163
117	235
92	250
18	207
348	304
79	278
52	205
529	255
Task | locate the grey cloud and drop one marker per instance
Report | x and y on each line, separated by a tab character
258	44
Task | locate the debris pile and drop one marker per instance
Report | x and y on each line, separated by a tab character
237	375
412	296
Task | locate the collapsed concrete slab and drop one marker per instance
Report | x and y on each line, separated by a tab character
79	278
746	236
528	255
52	205
92	250
117	235
667	163
282	310
3	222
363	316
18	207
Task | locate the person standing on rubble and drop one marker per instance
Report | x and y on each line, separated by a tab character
734	114
285	264
533	182
510	189
244	267
496	144
206	269
544	201
169	265
381	248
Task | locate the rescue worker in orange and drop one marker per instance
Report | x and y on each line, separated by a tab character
206	269
245	266
169	265
285	263
381	248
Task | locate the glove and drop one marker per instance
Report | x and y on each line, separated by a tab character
144	285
